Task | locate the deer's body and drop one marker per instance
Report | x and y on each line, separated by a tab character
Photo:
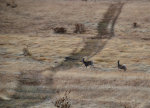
87	63
123	67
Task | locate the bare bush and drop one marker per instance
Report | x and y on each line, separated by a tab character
26	52
135	25
63	102
79	28
12	4
60	30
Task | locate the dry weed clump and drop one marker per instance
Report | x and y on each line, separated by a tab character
26	52
79	28
12	4
63	101
60	30
136	25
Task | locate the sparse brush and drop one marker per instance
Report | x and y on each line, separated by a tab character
79	28
60	30
63	102
26	52
12	4
136	25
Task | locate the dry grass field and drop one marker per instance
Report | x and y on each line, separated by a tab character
33	81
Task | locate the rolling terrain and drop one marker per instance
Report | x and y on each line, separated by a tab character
33	81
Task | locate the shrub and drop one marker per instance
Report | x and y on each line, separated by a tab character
63	102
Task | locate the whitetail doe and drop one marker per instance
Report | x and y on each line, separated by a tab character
87	63
123	67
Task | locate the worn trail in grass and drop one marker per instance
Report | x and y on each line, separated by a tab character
95	44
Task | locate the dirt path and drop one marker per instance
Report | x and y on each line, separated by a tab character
95	44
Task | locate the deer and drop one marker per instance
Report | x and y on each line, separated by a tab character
123	67
87	63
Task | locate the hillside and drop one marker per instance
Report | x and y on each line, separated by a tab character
33	81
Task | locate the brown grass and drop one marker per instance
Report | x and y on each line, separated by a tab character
106	86
8	84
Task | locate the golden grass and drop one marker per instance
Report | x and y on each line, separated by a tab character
129	45
128	51
90	87
47	48
134	12
91	73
